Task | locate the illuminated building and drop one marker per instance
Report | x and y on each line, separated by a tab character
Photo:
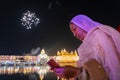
42	58
65	56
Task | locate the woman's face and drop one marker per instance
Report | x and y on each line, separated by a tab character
77	31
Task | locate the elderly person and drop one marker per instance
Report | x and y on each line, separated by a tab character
99	52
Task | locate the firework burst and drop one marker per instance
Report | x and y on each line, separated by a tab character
29	20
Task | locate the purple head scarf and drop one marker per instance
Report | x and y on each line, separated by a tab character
84	22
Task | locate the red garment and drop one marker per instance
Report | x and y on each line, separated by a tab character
118	28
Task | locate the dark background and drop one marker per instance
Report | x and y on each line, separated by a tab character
52	33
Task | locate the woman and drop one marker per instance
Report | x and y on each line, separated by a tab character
99	52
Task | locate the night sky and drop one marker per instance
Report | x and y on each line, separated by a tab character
52	33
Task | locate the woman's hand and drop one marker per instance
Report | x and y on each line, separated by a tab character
60	72
67	72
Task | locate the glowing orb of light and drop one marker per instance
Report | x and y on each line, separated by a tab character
29	19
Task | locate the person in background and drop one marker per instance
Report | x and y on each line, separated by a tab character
118	28
99	53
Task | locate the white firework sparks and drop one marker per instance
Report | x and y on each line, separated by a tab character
29	19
